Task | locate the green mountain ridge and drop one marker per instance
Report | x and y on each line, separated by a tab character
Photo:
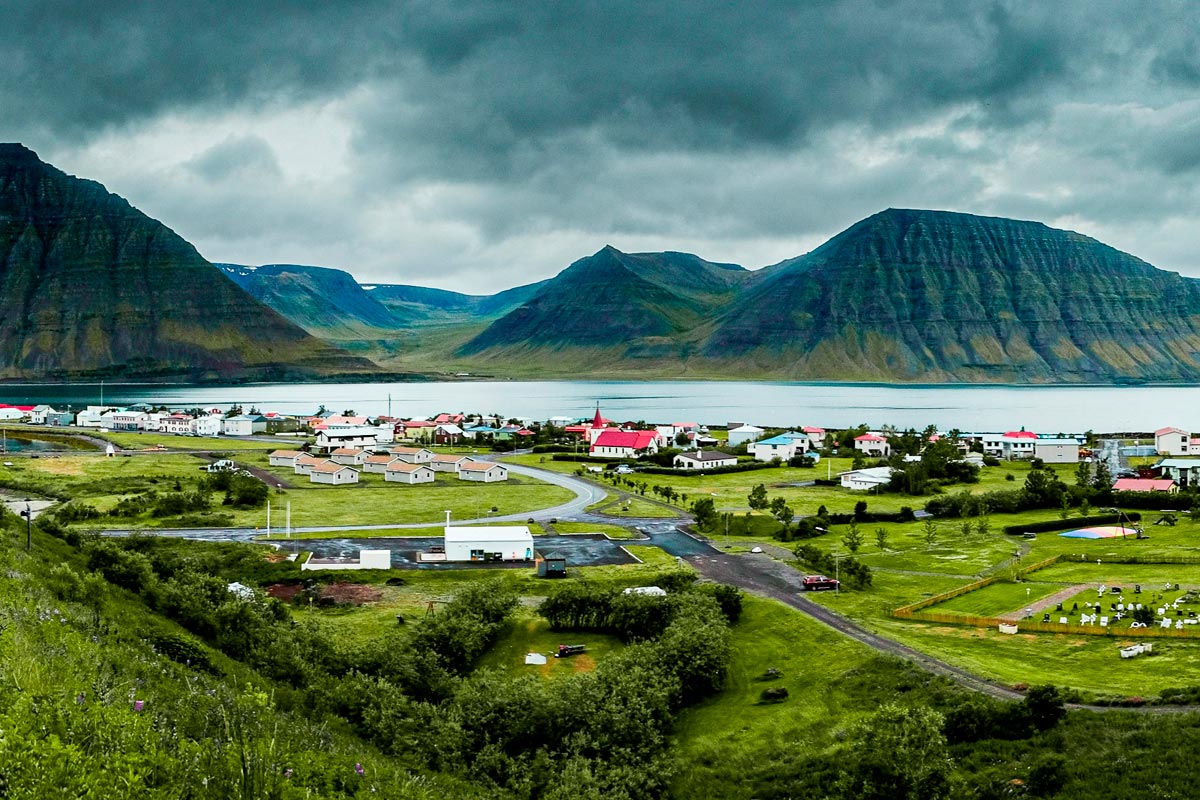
904	295
92	287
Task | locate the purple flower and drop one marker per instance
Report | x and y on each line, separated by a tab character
359	769
287	773
80	698
138	705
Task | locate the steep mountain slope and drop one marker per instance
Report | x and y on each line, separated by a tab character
327	303
93	287
644	305
939	296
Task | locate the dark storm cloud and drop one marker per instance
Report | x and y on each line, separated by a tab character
504	127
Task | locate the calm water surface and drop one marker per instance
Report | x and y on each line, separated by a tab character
1045	409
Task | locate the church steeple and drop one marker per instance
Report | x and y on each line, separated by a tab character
598	421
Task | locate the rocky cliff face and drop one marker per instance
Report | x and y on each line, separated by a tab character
937	296
92	287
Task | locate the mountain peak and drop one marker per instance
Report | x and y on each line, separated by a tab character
15	152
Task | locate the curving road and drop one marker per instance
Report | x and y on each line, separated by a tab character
586	494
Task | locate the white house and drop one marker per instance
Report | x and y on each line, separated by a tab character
346	437
1019	444
816	436
90	417
447	463
616	443
38	415
412	455
12	414
332	473
211	425
303	463
1172	442
400	472
243	425
704	459
872	444
865	479
482	471
1057	451
499	543
349	456
378	463
284	458
785	447
743	433
177	424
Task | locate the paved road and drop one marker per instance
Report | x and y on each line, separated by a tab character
762	575
586	493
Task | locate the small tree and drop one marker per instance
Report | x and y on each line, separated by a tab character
881	539
860	509
931	531
782	512
758	498
706	513
853	538
967	526
1083	474
983	524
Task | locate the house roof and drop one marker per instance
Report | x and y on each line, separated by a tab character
404	466
308	458
707	455
870	474
286	453
346	451
450	429
329	467
746	429
635	440
1162	431
380	459
869	437
1143	485
781	439
497	533
446	458
810	429
346	434
408	451
419	423
1020	435
478	466
1185	463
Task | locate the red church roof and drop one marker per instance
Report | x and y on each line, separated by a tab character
869	437
636	440
1021	434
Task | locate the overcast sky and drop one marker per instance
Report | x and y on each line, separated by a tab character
477	146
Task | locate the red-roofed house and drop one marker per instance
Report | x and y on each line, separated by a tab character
1172	441
616	443
872	444
1018	444
815	435
1145	485
449	419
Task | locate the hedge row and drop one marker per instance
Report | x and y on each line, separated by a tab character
1069	524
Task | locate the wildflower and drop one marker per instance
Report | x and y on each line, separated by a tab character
359	769
287	773
80	698
138	705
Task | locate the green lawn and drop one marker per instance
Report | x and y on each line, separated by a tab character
998	598
636	508
529	633
612	531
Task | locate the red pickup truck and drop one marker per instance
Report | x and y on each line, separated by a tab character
817	583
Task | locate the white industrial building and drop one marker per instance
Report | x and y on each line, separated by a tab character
744	433
494	543
1057	451
367	559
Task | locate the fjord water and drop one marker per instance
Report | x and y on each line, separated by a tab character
1044	409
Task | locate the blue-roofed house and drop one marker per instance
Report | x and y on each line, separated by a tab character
785	446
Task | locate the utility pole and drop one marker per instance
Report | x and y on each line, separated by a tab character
268	518
28	515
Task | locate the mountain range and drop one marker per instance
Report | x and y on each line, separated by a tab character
93	287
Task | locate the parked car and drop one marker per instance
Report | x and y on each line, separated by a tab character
819	583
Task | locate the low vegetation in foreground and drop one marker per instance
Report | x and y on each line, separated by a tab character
132	667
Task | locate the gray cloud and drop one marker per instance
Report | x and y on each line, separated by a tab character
492	143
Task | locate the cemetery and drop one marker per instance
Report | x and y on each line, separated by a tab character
1049	597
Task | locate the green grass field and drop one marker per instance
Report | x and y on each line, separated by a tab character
529	633
611	531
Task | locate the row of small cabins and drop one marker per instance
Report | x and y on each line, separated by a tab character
399	465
